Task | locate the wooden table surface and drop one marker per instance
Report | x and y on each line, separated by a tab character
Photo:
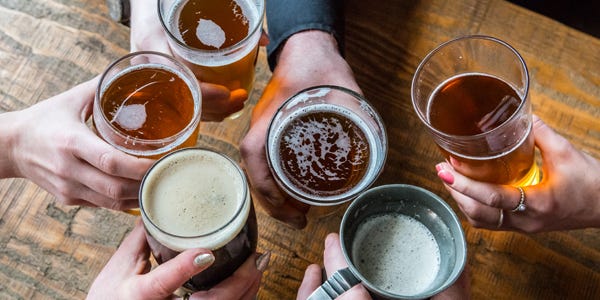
52	251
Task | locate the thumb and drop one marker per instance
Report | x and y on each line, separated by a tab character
165	279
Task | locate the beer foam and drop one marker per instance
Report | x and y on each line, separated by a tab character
333	141
396	253
193	193
130	116
210	34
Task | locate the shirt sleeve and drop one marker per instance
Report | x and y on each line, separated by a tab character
287	17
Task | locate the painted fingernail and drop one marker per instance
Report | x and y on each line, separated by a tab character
446	176
262	262
204	260
439	167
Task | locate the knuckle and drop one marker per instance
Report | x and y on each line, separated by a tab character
115	191
495	199
107	163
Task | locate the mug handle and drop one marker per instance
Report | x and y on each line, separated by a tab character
341	281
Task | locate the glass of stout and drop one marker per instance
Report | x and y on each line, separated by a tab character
198	198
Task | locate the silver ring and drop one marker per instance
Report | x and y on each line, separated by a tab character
500	219
521	206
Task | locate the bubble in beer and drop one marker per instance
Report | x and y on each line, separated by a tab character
396	253
210	34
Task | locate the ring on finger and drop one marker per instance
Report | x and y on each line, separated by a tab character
500	219
521	206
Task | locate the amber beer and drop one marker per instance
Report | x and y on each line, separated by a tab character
473	104
198	198
325	145
472	94
216	39
148	108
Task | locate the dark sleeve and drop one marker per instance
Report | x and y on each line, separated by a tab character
286	17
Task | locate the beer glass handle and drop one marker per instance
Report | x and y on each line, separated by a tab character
337	284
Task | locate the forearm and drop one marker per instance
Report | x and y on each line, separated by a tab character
8	133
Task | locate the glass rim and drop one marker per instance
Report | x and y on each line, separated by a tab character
240	44
237	213
349	194
437	49
190	82
461	241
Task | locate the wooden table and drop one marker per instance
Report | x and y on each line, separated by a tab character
52	251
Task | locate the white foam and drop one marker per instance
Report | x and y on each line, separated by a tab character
210	33
396	253
193	193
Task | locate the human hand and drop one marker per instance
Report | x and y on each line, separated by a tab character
333	258
127	275
147	34
308	58
568	197
52	146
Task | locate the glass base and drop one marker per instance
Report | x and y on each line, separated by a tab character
533	177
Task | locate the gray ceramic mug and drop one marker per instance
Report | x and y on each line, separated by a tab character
401	242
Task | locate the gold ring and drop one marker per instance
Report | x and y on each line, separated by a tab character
521	206
500	219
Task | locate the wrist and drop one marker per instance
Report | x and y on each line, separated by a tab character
8	134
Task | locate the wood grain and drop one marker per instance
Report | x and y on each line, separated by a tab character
51	251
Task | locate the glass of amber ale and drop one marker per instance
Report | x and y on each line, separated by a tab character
216	39
471	93
199	198
147	104
325	145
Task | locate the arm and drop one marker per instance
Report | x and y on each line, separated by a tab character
309	57
568	197
51	144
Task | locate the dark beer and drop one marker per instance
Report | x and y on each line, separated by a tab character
324	152
197	198
474	104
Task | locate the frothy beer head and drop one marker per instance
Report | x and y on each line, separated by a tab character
194	198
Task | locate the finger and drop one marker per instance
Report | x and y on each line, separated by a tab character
547	140
311	281
264	38
133	253
493	195
479	215
111	187
162	281
214	92
240	283
333	258
108	159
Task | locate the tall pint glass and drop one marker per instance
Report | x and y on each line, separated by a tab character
325	145
471	93
198	198
147	104
216	39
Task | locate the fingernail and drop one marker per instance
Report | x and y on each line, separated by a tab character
262	262
446	176
204	260
439	167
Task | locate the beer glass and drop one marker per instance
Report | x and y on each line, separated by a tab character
147	104
216	39
401	242
325	145
198	198
471	93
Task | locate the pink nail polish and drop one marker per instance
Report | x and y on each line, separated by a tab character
446	176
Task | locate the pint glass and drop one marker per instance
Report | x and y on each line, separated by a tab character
197	198
147	104
216	39
471	93
325	145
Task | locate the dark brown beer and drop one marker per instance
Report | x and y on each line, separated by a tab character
324	153
473	104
